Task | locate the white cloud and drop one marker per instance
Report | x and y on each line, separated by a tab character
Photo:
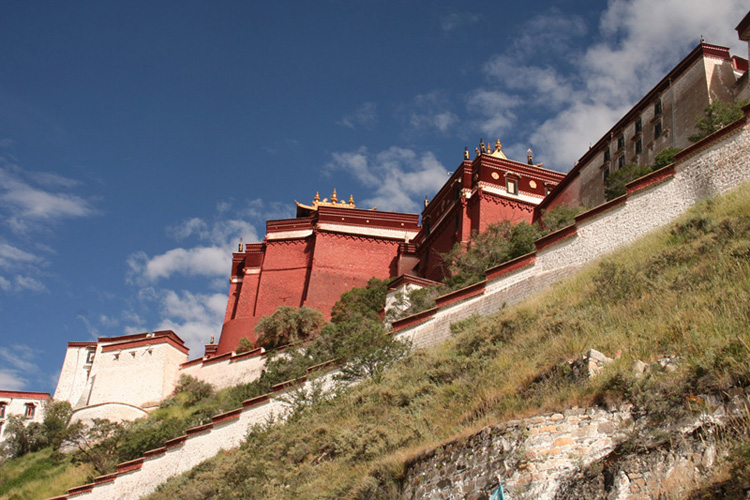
430	111
28	207
11	380
639	42
493	111
18	357
194	317
29	283
400	177
11	256
198	261
365	116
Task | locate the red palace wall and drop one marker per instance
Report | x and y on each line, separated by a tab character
342	262
332	247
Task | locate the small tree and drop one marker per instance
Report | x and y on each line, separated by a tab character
500	243
365	301
559	217
97	443
288	325
717	115
23	438
56	419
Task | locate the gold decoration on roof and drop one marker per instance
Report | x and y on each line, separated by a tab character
325	202
498	152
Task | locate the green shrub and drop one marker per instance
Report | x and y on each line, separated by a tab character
288	325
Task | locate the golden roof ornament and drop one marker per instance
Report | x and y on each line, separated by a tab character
498	152
466	153
325	202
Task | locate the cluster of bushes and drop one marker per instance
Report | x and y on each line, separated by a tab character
23	438
501	242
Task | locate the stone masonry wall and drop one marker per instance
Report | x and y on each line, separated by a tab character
580	454
528	455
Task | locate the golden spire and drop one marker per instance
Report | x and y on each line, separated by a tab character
351	200
334	199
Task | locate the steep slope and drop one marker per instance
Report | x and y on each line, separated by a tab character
684	292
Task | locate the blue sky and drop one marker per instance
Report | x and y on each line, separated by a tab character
140	140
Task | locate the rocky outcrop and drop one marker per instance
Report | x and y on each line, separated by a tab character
579	454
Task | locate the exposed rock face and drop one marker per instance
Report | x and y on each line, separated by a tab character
579	454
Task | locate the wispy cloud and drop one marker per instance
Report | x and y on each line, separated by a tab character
400	177
365	116
457	20
430	111
639	42
33	200
18	366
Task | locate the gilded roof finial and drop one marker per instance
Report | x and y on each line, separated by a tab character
476	151
530	156
239	249
317	197
498	146
466	153
426	202
212	340
334	199
481	145
351	199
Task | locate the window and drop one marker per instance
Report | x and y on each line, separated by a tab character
620	142
30	409
457	222
621	162
90	357
2	410
657	107
657	130
511	186
638	125
607	156
638	147
606	173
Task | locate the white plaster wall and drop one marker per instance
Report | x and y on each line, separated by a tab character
134	375
227	373
73	376
113	411
397	299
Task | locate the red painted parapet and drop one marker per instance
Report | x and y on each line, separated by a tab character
516	264
225	417
130	466
107	478
601	208
462	294
414	319
556	237
650	179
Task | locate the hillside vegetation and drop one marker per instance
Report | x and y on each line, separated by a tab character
684	291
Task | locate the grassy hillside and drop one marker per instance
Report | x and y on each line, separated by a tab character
40	475
684	291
